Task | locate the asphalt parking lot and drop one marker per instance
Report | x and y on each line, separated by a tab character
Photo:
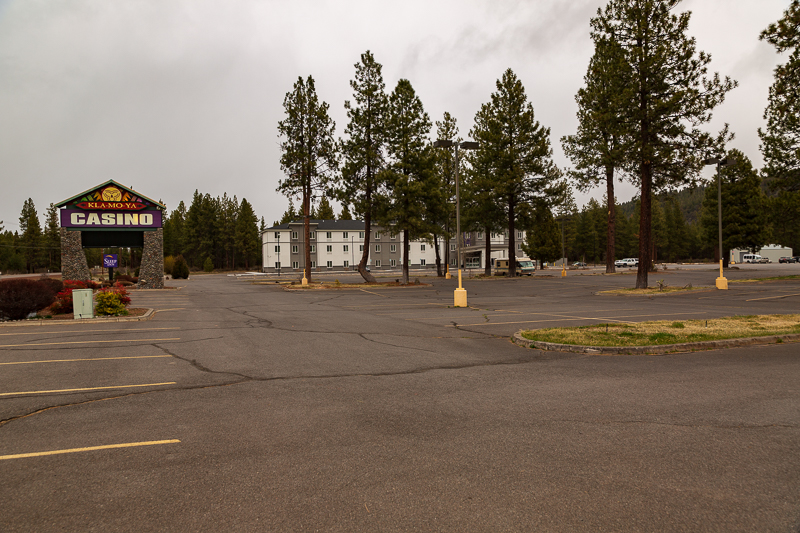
247	407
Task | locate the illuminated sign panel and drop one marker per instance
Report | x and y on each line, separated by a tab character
78	218
116	206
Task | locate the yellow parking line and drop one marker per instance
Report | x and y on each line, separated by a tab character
84	342
89	449
772	297
87	389
87	331
89	359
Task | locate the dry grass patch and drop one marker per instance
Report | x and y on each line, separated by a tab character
667	332
661	288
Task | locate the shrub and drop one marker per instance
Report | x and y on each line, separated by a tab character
125	277
55	284
21	297
180	270
109	303
169	264
208	266
63	301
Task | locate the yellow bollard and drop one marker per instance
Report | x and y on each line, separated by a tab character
722	283
460	294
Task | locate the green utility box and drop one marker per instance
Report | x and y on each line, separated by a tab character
82	303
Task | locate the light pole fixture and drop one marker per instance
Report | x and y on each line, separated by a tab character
460	294
722	282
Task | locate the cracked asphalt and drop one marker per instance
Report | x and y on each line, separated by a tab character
243	407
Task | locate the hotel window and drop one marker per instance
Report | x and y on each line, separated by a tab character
452	247
393	237
346	248
313	264
519	235
330	264
312	235
480	236
277	264
294	248
295	265
329	248
377	234
360	247
294	235
313	249
453	261
377	263
421	262
277	234
360	234
519	246
392	262
344	235
346	264
392	247
277	249
377	247
328	235
421	247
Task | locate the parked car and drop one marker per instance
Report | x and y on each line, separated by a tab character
579	264
764	260
786	260
796	259
627	262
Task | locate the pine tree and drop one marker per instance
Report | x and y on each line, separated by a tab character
363	150
744	214
309	151
345	214
175	231
543	238
290	215
325	211
668	96
780	141
30	240
515	151
52	239
262	227
597	149
444	209
409	177
246	236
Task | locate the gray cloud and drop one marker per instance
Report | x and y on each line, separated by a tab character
172	96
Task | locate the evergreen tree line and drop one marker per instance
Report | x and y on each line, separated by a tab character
221	230
32	248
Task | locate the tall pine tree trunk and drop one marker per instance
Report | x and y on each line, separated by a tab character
439	272
645	218
611	205
512	246
307	231
487	267
406	249
362	265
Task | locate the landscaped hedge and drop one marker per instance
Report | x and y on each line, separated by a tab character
21	297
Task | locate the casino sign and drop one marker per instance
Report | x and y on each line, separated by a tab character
112	215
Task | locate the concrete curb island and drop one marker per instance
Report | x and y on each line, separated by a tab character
661	349
102	320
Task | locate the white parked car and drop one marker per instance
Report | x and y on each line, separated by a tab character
627	262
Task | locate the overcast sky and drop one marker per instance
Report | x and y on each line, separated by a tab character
169	96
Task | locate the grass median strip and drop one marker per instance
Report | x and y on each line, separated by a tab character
669	332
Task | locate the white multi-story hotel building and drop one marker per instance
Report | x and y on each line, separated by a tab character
339	245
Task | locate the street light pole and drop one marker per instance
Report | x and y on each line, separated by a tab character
722	282
460	294
279	253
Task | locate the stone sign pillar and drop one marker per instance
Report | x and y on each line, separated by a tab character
151	271
73	259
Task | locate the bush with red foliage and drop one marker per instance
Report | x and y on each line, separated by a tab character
63	303
125	277
21	297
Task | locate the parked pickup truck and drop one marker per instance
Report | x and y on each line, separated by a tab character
627	262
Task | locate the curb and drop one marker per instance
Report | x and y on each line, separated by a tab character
44	322
661	349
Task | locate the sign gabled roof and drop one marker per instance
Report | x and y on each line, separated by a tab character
98	188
